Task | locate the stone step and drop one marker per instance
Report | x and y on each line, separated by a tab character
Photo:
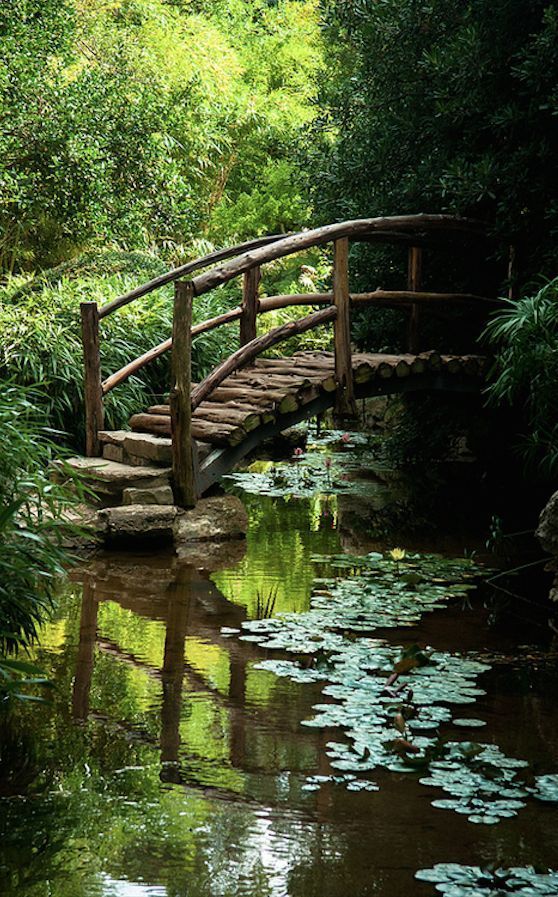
128	447
109	479
135	449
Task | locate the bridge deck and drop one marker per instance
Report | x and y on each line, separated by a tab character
273	389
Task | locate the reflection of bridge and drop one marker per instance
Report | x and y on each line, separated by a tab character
189	605
247	398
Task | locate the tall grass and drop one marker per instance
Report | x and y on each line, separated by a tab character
32	526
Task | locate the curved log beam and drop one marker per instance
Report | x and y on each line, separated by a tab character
357	229
255	347
162	280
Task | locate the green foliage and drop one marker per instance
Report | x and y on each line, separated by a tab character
143	122
525	337
441	107
31	529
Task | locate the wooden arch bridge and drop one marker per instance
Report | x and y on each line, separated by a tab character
207	427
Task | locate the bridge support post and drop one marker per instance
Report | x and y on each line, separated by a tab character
183	449
93	392
345	405
414	279
250	288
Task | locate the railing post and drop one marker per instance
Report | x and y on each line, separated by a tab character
93	393
414	279
183	462
250	288
344	400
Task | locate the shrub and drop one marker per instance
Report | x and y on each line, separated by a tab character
525	372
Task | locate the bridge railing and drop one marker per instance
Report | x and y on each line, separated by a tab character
247	260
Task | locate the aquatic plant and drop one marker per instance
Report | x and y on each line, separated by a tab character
390	701
455	880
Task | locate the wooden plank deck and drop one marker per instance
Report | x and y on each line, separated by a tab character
273	389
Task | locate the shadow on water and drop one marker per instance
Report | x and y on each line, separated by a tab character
168	765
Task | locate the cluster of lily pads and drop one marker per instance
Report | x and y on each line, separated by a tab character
325	467
390	702
455	880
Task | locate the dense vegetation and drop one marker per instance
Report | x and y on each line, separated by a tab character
443	106
137	134
450	106
148	123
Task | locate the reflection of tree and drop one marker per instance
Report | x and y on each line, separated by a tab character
281	538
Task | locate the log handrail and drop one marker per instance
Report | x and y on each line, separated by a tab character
182	271
368	228
255	347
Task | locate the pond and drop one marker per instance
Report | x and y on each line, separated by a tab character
197	747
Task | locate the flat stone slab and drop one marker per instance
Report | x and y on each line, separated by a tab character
141	445
114	476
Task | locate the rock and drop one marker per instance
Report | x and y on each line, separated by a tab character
107	479
159	495
113	453
213	519
217	519
138	524
547	530
144	446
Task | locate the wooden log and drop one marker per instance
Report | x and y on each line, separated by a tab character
205	431
183	479
245	407
322	375
250	305
452	364
399	365
356	229
271	303
93	394
251	350
433	360
473	364
273	385
225	414
345	398
151	423
414	278
406	298
306	365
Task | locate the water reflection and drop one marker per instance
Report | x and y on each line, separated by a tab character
169	766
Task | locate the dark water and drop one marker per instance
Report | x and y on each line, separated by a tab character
168	766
